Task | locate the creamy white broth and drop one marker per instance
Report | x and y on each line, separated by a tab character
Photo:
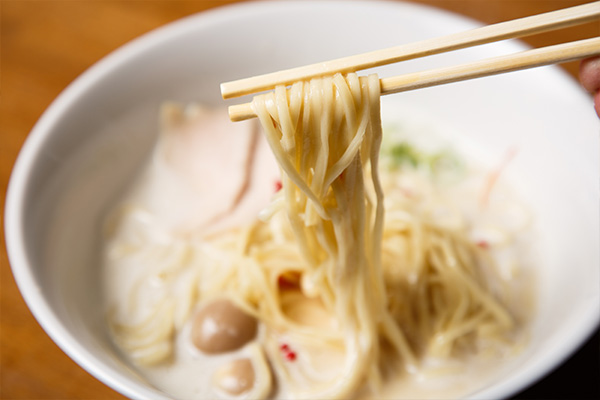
158	248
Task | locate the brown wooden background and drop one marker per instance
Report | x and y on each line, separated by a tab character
44	46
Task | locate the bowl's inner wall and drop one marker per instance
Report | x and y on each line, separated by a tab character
95	148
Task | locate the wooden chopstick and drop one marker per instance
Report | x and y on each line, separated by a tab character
527	59
493	66
487	34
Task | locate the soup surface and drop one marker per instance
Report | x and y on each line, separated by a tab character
206	296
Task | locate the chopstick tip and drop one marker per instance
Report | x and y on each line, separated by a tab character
241	112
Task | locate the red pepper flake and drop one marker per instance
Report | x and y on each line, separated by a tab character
278	186
483	244
287	352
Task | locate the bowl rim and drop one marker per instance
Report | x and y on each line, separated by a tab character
26	161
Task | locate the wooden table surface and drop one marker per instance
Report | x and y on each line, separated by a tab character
44	46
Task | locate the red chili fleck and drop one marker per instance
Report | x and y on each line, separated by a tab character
483	244
278	186
287	352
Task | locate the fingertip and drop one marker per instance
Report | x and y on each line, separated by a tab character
589	74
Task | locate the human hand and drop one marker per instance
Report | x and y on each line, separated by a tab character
589	75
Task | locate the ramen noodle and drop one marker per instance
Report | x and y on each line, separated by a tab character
307	261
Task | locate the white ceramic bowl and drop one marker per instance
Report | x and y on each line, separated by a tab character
93	138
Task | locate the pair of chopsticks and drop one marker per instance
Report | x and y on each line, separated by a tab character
505	30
